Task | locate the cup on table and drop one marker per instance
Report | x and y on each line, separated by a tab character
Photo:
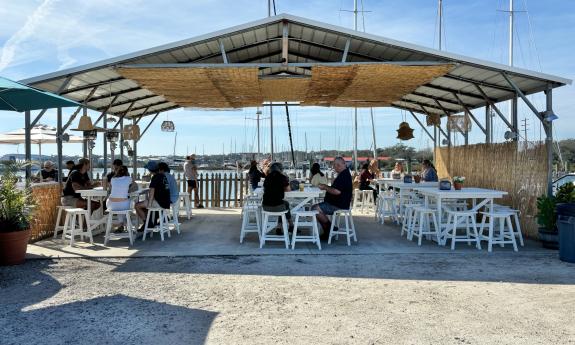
301	186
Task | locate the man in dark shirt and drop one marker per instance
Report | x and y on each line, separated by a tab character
158	196
337	197
78	179
275	186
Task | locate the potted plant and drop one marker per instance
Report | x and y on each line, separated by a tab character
15	215
547	220
458	182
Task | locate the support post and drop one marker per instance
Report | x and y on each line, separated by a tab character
85	142
59	142
105	152
135	155
27	144
548	125
346	50
121	120
272	131
493	106
285	43
488	125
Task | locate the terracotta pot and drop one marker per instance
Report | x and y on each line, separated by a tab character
13	247
457	185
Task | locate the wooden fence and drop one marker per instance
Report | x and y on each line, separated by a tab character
519	170
222	190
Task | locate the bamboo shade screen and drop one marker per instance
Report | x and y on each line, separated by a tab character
515	168
372	85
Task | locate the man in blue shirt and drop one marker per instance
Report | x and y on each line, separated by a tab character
337	197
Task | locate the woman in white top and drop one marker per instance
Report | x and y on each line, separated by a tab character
317	177
121	183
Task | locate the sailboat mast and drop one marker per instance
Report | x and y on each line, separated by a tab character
440	15
355	109
511	25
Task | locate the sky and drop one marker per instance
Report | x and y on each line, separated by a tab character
42	36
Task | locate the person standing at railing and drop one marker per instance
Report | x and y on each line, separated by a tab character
191	175
255	175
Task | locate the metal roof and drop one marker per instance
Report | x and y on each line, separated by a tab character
472	83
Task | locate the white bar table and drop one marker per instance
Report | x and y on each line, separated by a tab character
96	194
406	188
309	194
486	196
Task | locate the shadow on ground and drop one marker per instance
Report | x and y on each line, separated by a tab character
114	319
529	269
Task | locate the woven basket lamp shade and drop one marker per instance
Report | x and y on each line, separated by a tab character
433	120
131	132
404	132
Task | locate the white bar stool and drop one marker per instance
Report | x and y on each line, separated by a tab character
174	218
305	219
387	207
74	225
357	199
349	229
517	229
454	218
505	231
59	227
185	198
424	216
367	201
251	221
162	227
123	216
407	219
270	221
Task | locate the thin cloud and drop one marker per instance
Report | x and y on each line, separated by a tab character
34	20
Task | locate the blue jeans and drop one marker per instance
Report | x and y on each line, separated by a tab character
327	208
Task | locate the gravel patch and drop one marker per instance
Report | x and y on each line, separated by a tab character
323	299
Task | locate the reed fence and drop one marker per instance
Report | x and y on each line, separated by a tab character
517	168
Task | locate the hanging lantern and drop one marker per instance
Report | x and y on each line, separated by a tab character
168	126
85	125
433	120
131	132
404	132
460	123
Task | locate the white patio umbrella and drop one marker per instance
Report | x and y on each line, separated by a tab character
40	134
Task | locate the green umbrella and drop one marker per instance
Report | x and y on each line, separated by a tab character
19	97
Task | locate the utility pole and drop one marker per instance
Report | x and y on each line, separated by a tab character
525	127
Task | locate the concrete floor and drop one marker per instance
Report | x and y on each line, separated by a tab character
216	232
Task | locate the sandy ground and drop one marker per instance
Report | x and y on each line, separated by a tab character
327	299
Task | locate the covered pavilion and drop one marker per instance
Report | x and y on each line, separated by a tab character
290	59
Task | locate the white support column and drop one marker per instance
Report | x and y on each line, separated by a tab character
548	125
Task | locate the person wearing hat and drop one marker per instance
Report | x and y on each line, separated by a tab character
158	195
48	174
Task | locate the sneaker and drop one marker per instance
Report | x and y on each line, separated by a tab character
119	229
